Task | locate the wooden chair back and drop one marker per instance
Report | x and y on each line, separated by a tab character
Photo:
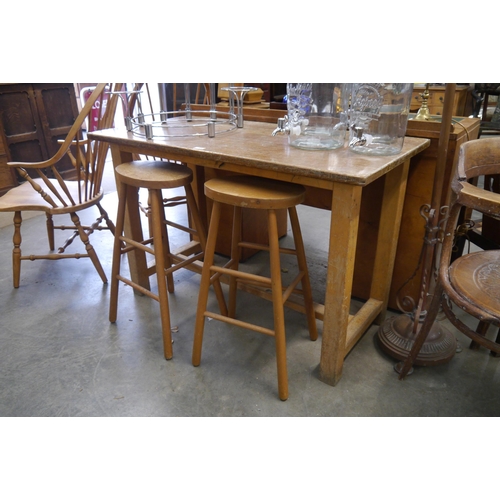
88	158
478	158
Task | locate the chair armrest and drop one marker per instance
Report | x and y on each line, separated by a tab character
480	199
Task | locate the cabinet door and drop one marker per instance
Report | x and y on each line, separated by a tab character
21	126
7	175
34	117
57	111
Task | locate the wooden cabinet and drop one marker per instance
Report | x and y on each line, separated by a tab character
406	275
436	99
7	176
34	116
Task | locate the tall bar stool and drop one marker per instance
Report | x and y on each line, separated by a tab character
263	194
155	176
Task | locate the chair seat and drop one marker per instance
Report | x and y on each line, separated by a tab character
24	197
476	277
154	174
254	192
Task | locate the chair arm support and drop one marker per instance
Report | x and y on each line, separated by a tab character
479	199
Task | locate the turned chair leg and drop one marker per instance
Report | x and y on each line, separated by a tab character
50	231
106	218
16	251
88	246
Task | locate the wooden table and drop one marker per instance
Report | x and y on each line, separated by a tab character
334	181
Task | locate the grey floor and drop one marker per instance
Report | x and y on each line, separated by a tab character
60	356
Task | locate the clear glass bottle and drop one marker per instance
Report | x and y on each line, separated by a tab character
378	116
317	115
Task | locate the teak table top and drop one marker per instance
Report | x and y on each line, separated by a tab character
254	146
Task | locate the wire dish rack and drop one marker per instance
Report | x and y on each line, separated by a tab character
186	122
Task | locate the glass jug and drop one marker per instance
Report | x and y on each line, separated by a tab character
378	116
317	115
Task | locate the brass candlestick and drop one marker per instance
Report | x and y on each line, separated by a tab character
423	113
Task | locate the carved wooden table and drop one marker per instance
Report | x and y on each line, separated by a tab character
334	181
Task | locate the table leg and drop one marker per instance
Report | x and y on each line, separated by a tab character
344	221
388	234
133	226
199	193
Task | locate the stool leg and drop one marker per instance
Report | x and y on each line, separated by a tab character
158	230
302	262
278	308
235	259
205	283
148	216
202	235
115	271
165	244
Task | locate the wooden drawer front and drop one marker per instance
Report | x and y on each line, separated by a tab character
436	109
416	100
435	99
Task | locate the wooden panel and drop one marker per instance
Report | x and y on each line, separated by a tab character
21	124
34	117
7	177
57	110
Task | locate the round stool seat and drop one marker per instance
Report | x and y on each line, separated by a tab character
254	192
476	277
154	174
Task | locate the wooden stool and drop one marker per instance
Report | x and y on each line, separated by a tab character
155	176
263	194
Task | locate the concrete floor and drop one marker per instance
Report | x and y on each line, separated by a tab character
60	356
